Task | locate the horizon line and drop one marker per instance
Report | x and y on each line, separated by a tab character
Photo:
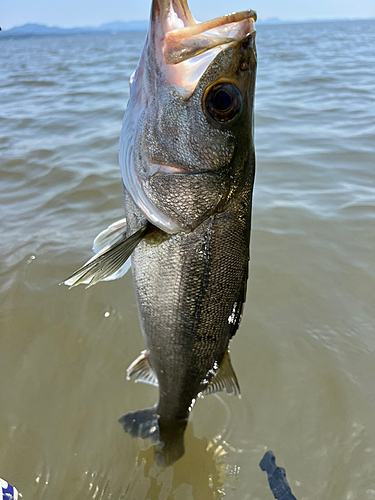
260	21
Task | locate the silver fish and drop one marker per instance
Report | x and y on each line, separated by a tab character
187	161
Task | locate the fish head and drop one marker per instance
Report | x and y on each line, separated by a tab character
186	146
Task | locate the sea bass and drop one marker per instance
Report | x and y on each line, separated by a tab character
187	162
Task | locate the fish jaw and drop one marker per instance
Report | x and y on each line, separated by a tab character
160	132
184	47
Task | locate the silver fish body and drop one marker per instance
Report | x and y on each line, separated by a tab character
189	171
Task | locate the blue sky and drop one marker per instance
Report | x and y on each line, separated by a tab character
69	13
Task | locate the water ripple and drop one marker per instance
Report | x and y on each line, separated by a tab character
304	353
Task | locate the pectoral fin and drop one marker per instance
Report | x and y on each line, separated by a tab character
225	379
109	236
141	369
107	262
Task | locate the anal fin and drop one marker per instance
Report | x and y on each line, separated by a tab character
142	371
225	379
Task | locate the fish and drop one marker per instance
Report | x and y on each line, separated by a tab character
187	160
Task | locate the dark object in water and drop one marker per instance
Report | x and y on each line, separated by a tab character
276	477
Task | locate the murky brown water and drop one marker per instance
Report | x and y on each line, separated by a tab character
304	354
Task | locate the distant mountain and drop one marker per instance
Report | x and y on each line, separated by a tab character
40	29
28	29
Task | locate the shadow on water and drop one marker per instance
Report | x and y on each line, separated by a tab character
199	473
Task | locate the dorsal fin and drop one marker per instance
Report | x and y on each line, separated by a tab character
141	369
225	379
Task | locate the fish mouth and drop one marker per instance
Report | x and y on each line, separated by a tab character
183	43
185	47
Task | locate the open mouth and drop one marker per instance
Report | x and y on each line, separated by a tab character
186	47
189	41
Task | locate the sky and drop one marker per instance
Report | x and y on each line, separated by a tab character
70	13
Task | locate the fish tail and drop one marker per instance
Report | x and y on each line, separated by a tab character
168	436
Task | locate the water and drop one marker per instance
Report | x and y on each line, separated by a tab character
304	354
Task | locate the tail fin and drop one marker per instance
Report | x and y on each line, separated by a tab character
142	423
168	437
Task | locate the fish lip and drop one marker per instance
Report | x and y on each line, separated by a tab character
201	27
166	12
184	43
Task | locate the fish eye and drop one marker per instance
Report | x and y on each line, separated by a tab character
223	101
